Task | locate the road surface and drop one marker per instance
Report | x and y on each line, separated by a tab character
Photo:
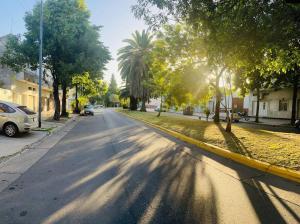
111	169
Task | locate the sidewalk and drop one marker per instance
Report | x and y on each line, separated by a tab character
10	147
266	121
12	167
262	121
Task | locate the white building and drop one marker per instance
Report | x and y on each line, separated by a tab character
235	102
273	103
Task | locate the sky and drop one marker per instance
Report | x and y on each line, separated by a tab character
114	15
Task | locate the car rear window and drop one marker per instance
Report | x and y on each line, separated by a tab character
6	109
26	110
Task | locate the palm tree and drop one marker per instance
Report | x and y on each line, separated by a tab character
133	66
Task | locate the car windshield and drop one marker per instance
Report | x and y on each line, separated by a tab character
26	110
88	106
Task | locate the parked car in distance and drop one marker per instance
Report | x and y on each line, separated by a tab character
223	115
15	118
88	110
188	111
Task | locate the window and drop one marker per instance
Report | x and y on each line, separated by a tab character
26	110
264	106
283	105
6	109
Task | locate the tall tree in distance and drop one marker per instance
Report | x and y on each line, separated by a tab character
113	86
133	64
112	95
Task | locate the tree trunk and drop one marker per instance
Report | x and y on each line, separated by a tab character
56	101
229	121
64	100
257	105
295	93
230	118
160	107
143	108
218	101
133	103
76	110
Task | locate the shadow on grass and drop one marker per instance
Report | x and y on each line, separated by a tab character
232	141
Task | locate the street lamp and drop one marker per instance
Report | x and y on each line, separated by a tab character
40	65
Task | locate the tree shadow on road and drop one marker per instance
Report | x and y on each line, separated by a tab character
128	173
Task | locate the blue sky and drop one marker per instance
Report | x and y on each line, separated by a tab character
114	15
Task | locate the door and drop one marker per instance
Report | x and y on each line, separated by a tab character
263	109
254	103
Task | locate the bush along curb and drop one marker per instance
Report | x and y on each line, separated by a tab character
259	165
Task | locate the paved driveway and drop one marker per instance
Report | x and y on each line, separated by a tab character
11	146
111	169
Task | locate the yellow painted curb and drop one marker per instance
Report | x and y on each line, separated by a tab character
245	160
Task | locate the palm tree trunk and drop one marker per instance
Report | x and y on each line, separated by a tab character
143	108
133	103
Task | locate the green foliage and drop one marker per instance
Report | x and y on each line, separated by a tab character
113	86
112	95
176	68
133	64
257	41
88	87
70	44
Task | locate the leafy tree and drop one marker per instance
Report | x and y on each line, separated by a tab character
178	75
133	65
111	97
88	88
113	86
261	37
68	43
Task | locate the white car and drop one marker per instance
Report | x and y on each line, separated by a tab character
223	115
15	118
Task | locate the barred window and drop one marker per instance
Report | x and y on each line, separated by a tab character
283	105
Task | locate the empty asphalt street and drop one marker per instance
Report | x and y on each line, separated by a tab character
111	169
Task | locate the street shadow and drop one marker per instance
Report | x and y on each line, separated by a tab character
132	176
122	172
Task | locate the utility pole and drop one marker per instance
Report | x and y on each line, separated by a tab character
40	65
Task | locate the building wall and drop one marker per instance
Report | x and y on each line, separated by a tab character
26	93
236	103
269	104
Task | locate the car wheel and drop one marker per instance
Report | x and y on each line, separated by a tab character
10	130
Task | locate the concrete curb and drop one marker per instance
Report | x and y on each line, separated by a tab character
259	165
55	130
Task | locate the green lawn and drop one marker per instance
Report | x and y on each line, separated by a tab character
274	147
